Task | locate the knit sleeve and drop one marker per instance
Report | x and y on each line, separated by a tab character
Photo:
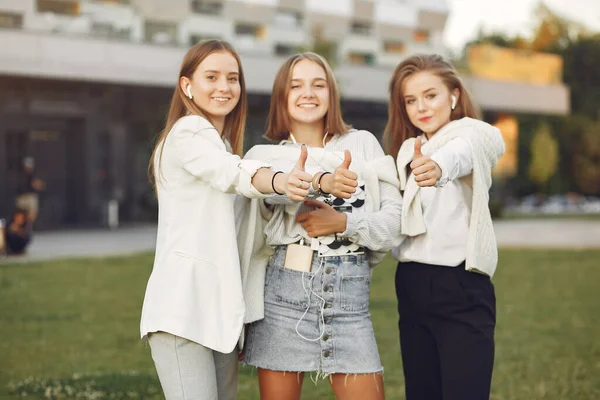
378	230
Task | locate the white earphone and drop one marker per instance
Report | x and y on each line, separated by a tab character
189	92
453	106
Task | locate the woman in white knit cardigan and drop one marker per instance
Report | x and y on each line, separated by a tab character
446	300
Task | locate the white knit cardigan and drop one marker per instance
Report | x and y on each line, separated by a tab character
487	146
252	215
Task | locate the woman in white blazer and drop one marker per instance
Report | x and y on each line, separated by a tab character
193	309
446	300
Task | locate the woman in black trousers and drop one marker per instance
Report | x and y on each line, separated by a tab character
445	297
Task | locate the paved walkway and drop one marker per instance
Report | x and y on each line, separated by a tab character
96	243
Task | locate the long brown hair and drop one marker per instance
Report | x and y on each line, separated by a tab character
399	128
181	105
278	122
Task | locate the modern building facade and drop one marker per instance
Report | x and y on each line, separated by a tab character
84	85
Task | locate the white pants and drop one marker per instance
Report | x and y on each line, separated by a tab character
189	371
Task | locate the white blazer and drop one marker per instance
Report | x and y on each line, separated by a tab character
195	288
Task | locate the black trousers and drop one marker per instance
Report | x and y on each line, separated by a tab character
447	322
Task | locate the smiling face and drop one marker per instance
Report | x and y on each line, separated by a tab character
428	101
308	96
215	85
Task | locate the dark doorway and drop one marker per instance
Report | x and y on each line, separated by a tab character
55	144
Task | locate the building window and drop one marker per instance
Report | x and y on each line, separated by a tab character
207	7
107	30
256	31
194	39
361	28
421	36
58	7
161	32
122	2
361	58
10	20
288	19
394	47
285	50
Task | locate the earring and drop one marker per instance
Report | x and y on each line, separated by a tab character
453	106
189	93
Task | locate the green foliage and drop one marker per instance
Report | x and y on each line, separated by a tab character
544	156
586	160
576	135
582	75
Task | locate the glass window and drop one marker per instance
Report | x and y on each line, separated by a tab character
361	28
58	7
123	2
10	20
285	50
211	7
256	31
161	32
107	30
421	36
394	47
361	58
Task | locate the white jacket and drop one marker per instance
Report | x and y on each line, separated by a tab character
195	289
487	146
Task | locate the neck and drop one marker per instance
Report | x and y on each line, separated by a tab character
219	124
309	134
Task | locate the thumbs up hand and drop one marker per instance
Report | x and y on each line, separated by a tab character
426	171
298	180
343	182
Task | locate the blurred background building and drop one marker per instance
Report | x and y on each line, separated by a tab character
85	85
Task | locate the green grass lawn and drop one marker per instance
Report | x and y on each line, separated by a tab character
77	322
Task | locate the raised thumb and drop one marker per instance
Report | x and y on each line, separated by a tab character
418	153
303	156
347	160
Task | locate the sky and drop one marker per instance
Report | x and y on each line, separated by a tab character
509	16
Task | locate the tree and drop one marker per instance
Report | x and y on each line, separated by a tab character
586	160
582	74
554	32
544	156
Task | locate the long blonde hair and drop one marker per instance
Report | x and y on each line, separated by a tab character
181	105
278	123
399	128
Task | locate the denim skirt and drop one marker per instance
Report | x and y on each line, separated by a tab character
315	321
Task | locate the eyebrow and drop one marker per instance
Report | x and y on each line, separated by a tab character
316	79
425	91
212	71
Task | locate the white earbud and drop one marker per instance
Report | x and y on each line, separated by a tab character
453	106
189	93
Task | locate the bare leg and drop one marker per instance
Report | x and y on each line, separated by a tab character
277	385
357	386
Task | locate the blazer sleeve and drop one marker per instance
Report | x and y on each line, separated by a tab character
205	156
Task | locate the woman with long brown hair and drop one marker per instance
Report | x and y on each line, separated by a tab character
308	302
193	308
446	299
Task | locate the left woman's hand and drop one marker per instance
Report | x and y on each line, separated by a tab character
323	221
426	171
